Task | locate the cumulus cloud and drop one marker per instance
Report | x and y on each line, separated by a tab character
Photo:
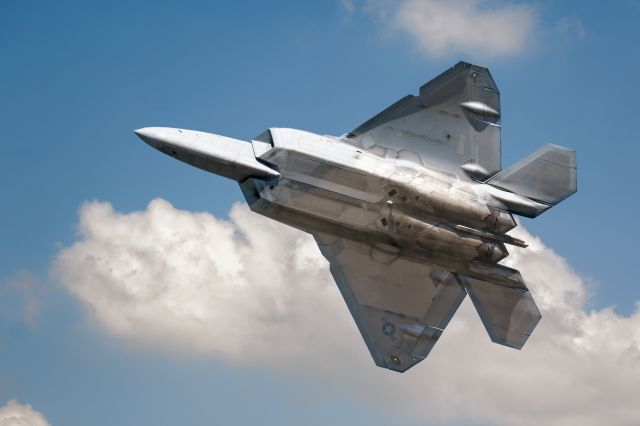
195	282
250	290
16	414
477	28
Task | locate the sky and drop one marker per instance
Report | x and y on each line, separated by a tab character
135	289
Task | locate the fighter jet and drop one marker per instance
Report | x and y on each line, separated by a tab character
411	208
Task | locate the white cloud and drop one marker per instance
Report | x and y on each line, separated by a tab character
196	282
16	414
250	290
480	29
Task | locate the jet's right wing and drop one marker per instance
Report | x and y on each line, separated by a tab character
401	307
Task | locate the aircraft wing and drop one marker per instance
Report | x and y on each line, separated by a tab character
401	307
454	122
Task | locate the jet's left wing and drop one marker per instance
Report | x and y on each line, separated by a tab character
401	307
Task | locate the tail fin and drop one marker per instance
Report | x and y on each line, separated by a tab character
546	177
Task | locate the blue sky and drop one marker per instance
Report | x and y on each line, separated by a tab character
78	77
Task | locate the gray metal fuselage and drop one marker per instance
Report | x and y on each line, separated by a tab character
395	205
387	200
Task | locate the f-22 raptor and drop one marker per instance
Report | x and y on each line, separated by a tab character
411	208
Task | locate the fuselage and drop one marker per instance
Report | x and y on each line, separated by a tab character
382	197
385	199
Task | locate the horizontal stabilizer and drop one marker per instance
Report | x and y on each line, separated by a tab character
547	176
509	314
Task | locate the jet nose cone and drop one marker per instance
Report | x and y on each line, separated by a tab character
164	139
151	135
141	132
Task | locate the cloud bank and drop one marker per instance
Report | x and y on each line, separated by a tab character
16	414
249	290
476	28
